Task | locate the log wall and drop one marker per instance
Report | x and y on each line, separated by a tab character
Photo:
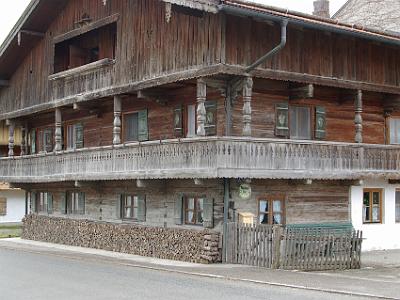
148	46
101	200
320	202
312	52
339	113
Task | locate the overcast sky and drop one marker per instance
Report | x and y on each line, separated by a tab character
10	11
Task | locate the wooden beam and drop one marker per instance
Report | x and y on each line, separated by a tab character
194	73
86	28
314	79
198	181
157	96
302	92
391	103
34	33
28	32
140	183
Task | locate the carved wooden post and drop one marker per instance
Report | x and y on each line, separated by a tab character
247	93
58	131
201	108
11	130
358	117
117	120
23	140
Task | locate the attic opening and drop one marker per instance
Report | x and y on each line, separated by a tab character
86	48
188	11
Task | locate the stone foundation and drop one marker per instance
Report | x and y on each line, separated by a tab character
167	243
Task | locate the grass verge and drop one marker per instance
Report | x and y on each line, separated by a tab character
10	231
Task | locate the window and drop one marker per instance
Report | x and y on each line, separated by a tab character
398	206
372	206
300	122
271	210
32	141
42	140
85	48
74	138
211	118
42	202
185	120
135	126
297	122
394	128
133	207
75	203
3	206
194	210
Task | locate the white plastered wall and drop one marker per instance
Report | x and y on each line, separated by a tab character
377	236
15	206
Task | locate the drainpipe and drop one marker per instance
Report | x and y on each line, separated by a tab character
284	22
274	51
226	209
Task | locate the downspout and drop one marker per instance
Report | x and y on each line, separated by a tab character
226	209
282	44
274	51
284	22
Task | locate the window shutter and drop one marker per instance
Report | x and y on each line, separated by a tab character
142	124
178	210
141	208
282	120
33	141
118	206
178	121
63	203
211	118
208	213
320	122
48	140
49	203
81	203
79	137
33	202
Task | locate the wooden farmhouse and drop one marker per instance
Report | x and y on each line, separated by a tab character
149	124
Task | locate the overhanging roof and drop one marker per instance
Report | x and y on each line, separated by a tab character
245	8
37	17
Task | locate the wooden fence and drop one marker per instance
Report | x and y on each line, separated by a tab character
293	248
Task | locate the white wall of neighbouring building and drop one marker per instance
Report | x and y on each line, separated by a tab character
15	205
377	236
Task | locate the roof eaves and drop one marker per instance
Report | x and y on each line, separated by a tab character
204	5
18	26
307	20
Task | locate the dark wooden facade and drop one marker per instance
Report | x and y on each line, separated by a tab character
148	46
156	58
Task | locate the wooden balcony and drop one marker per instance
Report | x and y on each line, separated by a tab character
214	157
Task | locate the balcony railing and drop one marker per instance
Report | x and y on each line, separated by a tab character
214	157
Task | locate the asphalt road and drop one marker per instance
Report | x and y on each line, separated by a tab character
37	276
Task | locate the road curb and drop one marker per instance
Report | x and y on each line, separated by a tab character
122	262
